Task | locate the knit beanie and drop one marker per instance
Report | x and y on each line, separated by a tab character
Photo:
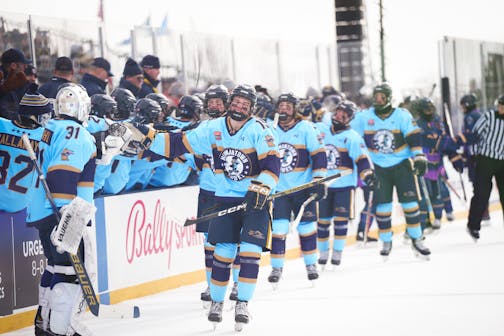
131	68
34	103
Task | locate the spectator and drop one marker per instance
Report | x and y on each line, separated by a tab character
150	65
132	77
63	73
96	79
13	87
31	74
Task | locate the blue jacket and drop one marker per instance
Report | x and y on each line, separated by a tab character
50	89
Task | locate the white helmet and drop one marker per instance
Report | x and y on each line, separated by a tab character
72	100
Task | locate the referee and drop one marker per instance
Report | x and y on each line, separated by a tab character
489	136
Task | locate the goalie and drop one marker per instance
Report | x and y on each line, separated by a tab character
66	155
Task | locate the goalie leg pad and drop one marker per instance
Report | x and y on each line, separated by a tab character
67	304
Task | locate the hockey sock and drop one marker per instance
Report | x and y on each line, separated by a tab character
323	230
236	265
308	236
223	257
412	214
250	255
209	252
340	233
280	230
384	220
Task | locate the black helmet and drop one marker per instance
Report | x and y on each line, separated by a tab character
103	105
469	102
350	109
386	89
189	107
147	111
245	91
264	107
215	91
125	103
166	104
500	100
289	98
425	107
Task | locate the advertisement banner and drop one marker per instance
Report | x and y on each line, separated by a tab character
6	265
30	262
146	239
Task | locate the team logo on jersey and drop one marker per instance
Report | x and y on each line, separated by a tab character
333	157
289	157
370	122
65	154
384	141
217	135
236	164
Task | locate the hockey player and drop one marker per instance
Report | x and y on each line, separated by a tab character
247	168
392	138
112	178
179	170
264	107
302	159
345	150
16	173
67	159
214	105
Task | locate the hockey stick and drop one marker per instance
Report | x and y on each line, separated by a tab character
368	216
425	191
296	220
448	184
447	116
243	206
79	267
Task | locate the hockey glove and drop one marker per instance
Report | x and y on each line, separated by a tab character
319	189
257	195
420	164
141	138
457	163
369	178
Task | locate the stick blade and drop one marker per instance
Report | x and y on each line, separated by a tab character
119	311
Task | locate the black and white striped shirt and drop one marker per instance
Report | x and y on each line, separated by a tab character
489	130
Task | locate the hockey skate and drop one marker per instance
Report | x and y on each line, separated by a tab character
215	313
206	298
450	217
241	315
312	273
385	251
474	234
436	225
322	261
419	249
233	296
274	277
336	257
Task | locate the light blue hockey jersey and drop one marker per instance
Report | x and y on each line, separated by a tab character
17	173
302	155
389	141
249	154
67	159
346	151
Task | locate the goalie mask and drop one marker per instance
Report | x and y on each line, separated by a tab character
73	101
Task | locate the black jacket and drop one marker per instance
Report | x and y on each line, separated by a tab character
127	85
50	89
93	84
